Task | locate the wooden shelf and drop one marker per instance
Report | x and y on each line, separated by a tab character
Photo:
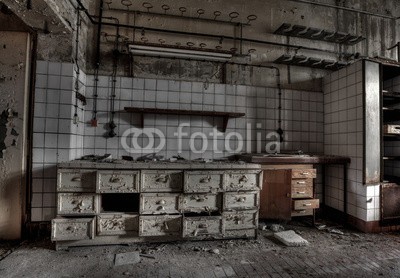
390	98
225	115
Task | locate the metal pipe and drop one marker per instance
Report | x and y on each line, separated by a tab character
179	16
344	8
297	47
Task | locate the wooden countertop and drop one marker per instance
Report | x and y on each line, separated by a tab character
294	159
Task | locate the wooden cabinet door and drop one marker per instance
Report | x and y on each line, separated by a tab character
275	200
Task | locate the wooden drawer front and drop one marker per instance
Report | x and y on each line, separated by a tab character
72	229
117	181
242	180
161	181
305	204
70	180
304	173
242	200
238	220
304	212
166	225
159	203
201	227
74	204
248	233
203	181
199	203
117	224
302	191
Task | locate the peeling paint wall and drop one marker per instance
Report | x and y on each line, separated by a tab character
14	66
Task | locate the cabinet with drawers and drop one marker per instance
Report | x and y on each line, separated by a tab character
101	203
288	191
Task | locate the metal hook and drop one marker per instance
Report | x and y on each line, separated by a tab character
251	17
126	3
233	49
190	44
144	39
147	6
218	47
108	2
200	12
202	45
165	8
182	10
217	14
233	15
161	41
251	50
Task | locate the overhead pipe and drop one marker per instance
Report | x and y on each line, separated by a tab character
297	47
344	8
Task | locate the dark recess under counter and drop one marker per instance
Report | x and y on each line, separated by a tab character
321	160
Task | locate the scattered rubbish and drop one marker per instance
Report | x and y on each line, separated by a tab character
290	238
147	256
97	158
276	228
335	231
262	226
196	248
127	158
214	251
321	227
126	258
126	273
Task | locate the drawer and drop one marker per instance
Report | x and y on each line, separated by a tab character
247	233
238	220
72	229
117	224
70	180
203	181
302	191
304	212
241	200
304	173
305	204
200	203
117	181
159	203
161	181
77	203
160	225
202	227
242	180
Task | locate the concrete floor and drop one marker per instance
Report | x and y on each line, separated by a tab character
353	254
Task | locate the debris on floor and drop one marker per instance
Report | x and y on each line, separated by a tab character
276	228
126	258
290	238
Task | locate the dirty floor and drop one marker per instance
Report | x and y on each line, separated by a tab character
328	254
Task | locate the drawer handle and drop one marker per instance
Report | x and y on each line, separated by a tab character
301	192
307	205
162	178
203	226
161	208
76	179
205	180
301	182
115	179
243	179
199	199
241	199
304	173
161	202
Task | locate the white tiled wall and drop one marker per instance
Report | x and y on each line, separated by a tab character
57	138
343	109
